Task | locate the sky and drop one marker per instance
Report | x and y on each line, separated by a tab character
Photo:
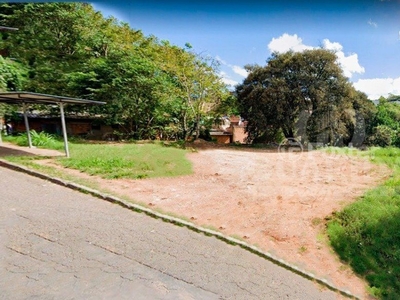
365	34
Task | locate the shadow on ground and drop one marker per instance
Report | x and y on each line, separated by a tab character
5	151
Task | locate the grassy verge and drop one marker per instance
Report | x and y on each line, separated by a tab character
127	160
112	161
39	139
366	234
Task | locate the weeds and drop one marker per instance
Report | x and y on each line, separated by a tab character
39	139
366	234
302	249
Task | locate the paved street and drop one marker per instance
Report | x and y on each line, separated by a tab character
56	243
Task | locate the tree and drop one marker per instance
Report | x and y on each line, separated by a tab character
393	98
385	126
54	39
362	114
131	85
12	75
12	78
302	93
151	88
198	88
47	41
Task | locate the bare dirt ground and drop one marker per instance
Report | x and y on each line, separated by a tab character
277	201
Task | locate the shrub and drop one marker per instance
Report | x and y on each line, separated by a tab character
39	139
383	136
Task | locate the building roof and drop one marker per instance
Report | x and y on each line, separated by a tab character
35	98
214	133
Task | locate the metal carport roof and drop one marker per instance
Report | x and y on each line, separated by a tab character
35	98
4	28
26	98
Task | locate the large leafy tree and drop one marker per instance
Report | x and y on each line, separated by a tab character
362	115
298	93
133	87
151	88
154	89
198	88
48	41
54	39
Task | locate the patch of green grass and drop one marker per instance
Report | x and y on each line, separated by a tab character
39	139
322	239
135	161
139	160
113	161
28	161
366	233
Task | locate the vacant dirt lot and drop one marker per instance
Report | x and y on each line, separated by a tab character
277	201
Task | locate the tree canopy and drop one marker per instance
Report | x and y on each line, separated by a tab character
157	90
301	94
385	125
152	88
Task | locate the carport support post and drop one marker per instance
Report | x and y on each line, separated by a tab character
64	129
1	131
28	133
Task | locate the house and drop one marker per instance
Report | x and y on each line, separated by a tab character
230	130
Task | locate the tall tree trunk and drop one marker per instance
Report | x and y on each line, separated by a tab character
197	127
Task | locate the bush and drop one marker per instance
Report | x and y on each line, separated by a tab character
385	127
383	136
39	139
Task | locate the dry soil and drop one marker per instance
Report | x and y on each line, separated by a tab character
277	201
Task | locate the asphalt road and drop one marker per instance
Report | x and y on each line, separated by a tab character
56	243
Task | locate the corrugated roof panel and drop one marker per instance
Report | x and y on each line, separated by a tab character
28	97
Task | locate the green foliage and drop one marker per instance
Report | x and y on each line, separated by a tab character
133	161
366	234
12	78
302	94
152	89
197	88
12	75
228	106
39	139
393	98
383	136
132	87
385	127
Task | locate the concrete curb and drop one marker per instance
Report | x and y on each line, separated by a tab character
179	222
